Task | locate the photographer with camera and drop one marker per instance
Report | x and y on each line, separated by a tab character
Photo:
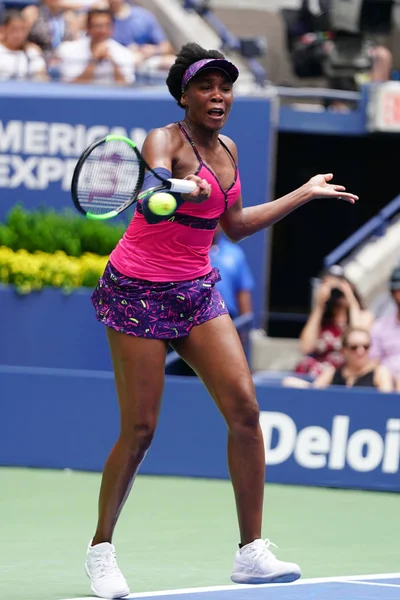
339	41
337	307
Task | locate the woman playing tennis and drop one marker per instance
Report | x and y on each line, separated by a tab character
144	312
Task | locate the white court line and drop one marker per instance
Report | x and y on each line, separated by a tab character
394	585
233	587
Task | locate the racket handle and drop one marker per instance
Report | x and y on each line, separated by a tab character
182	186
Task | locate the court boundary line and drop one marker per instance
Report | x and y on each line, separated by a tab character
376	583
233	587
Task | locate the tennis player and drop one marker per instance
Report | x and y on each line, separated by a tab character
159	288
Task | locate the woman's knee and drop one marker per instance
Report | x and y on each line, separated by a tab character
244	416
138	437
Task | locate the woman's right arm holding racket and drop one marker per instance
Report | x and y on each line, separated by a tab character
159	151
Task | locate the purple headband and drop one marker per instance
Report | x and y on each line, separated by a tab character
210	63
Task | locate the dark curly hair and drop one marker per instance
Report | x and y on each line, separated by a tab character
189	54
330	306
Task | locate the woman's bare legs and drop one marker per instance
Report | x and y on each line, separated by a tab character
215	353
139	376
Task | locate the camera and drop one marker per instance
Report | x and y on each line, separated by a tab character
354	23
341	47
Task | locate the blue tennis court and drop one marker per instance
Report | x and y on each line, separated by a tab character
368	587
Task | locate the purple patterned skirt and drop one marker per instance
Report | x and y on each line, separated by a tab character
156	310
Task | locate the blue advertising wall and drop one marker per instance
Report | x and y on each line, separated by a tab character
69	419
51	329
45	127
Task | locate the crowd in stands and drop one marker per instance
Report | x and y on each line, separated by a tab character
343	344
107	42
118	42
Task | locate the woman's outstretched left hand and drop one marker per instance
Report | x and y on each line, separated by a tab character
320	187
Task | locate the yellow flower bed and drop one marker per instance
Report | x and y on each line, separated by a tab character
30	272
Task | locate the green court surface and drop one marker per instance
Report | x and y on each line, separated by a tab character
179	533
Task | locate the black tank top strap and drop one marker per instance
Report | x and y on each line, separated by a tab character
197	153
225	147
191	142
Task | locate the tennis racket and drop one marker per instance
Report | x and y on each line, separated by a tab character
109	176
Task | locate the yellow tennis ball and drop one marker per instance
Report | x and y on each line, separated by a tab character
162	203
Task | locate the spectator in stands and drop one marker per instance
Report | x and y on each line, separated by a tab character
51	24
358	370
236	279
385	332
96	58
337	306
138	29
18	58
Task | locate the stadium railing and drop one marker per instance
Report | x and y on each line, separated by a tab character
374	227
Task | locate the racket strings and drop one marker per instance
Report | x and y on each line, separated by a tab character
110	176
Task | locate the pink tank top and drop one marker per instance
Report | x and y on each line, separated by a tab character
177	249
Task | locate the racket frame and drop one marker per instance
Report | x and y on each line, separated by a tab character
78	168
184	186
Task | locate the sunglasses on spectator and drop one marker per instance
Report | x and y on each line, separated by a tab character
356	346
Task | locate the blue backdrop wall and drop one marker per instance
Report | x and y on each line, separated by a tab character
69	419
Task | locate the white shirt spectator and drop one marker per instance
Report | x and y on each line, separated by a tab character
75	56
21	64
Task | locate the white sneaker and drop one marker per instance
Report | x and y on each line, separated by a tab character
255	563
102	569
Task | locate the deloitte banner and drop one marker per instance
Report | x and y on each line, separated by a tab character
336	437
341	447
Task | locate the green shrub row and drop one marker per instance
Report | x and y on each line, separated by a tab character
48	231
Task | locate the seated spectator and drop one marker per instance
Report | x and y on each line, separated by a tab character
51	24
358	370
236	279
18	58
138	29
96	58
385	333
337	307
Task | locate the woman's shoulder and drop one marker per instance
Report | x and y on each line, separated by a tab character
167	132
230	144
380	370
163	140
